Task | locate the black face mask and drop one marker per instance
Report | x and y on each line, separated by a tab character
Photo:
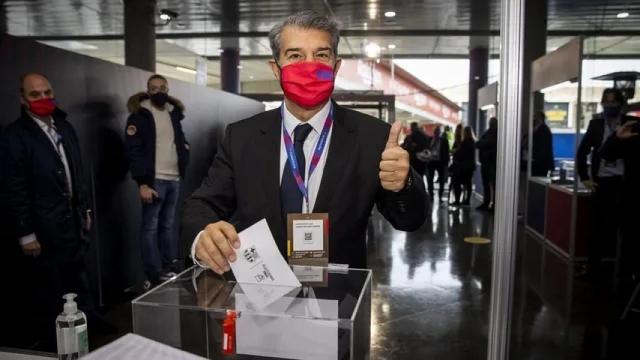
159	99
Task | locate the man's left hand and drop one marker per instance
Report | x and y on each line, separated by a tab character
394	166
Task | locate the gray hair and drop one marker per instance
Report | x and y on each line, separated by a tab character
307	19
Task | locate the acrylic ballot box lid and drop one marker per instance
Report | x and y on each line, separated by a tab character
328	317
200	289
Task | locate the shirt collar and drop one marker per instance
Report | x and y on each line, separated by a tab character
317	121
43	125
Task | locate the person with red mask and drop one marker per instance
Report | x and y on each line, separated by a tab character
47	202
308	156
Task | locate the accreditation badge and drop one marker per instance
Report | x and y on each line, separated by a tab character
308	239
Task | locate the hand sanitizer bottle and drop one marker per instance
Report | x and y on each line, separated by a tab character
71	331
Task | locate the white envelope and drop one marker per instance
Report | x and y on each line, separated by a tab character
259	261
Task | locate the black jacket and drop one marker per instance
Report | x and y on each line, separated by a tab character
415	143
140	139
629	151
542	161
443	153
243	185
464	158
488	148
36	189
590	144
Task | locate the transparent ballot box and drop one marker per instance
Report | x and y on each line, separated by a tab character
205	314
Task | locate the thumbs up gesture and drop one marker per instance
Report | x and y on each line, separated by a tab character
394	166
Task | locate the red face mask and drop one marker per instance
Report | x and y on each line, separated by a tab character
307	84
42	107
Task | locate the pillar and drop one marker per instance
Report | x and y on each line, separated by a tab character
478	59
140	34
230	56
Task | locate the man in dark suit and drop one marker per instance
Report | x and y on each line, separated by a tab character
438	162
542	162
487	154
603	178
251	177
47	201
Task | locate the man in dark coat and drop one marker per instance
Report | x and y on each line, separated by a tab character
603	178
415	143
625	144
158	155
542	162
48	204
439	162
487	154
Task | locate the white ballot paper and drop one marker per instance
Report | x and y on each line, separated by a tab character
136	347
259	261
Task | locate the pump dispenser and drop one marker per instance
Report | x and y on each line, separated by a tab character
71	331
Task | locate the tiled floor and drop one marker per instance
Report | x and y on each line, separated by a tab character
429	303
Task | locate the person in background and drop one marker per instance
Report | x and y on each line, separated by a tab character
624	144
542	162
603	178
47	201
416	142
463	166
158	154
488	152
438	162
449	136
457	140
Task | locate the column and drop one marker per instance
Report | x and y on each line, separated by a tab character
478	59
140	34
230	56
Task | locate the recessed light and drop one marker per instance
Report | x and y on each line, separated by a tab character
185	70
168	15
622	15
366	26
251	77
390	14
391	46
239	67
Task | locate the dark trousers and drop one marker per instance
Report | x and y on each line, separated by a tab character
630	244
462	181
159	243
488	174
432	168
605	219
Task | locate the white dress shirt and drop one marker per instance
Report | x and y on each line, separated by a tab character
313	182
51	133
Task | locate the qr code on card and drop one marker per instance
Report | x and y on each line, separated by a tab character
308	236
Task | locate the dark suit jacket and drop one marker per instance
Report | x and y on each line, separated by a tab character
542	151
36	185
243	185
628	150
590	144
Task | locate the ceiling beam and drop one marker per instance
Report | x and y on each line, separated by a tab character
344	33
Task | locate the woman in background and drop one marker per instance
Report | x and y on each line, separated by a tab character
463	166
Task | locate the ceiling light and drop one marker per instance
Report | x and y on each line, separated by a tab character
168	15
390	14
391	46
622	15
373	11
366	26
372	50
251	77
239	67
185	70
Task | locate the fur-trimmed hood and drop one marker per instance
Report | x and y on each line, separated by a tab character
133	105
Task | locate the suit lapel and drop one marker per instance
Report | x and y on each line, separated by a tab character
339	156
269	159
39	134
